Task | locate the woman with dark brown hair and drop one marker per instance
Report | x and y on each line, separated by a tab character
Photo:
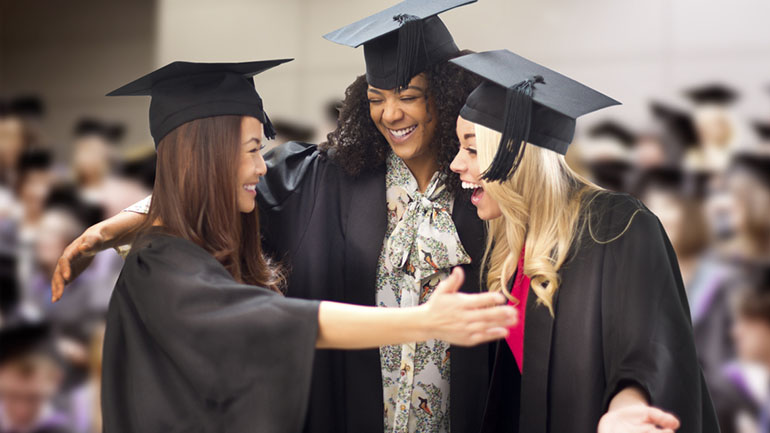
372	217
198	336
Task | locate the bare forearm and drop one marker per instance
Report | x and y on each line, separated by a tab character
343	326
120	229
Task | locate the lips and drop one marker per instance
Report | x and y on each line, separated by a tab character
478	191
251	188
403	134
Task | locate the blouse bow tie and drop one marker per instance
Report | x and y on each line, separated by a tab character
425	240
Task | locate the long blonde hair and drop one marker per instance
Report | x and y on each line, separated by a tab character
541	205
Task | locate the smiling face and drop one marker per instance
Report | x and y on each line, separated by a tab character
466	164
406	118
251	165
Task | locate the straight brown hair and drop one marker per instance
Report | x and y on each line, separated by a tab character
195	198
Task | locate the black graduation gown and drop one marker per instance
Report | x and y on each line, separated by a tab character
188	349
621	318
329	228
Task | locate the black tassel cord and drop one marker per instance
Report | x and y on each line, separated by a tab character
410	40
518	118
268	128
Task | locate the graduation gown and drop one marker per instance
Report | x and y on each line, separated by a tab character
329	228
621	318
187	348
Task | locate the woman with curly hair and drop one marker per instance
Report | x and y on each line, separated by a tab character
371	217
604	342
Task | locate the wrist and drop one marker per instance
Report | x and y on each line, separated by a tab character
423	326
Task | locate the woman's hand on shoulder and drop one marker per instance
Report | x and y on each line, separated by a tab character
467	319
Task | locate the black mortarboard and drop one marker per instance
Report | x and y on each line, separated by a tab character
668	178
613	130
762	129
610	174
715	93
9	295
677	124
66	198
5	108
401	41
293	131
141	167
35	159
527	103
23	339
111	132
28	106
185	91
755	164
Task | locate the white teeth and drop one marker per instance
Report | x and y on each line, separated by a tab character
402	132
252	187
468	185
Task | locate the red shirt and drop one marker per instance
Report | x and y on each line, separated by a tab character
519	290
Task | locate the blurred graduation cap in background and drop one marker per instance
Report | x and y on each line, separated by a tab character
613	130
712	94
401	41
762	128
527	103
678	125
185	91
293	131
27	107
672	179
139	164
754	163
66	198
22	339
111	132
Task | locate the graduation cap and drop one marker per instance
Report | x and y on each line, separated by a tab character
753	163
610	174
35	159
613	130
715	93
24	339
111	132
527	103
66	198
677	124
762	129
401	41
141	167
27	106
185	91
5	108
9	295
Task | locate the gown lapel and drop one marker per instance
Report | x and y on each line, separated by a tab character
365	231
538	333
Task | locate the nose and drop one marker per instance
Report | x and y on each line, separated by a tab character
392	112
260	167
458	164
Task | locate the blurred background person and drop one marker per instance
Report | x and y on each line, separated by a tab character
30	377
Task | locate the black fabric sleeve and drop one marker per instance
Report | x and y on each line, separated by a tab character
647	334
226	339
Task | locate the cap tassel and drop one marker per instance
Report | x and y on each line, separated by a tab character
267	125
518	117
410	40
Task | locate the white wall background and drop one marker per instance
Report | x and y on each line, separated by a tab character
632	50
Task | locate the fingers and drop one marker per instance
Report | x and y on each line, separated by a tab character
57	283
662	419
505	316
486	336
453	282
484	300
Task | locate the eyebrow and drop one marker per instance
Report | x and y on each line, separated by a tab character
255	139
373	90
467	136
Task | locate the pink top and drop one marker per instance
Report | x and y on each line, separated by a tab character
519	290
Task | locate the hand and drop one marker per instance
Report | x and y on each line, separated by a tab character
75	259
638	418
467	319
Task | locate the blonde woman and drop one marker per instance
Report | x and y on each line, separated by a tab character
604	339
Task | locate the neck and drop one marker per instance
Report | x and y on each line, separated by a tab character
422	168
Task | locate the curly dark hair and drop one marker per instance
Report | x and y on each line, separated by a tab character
358	146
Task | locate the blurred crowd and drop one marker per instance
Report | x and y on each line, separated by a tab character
704	171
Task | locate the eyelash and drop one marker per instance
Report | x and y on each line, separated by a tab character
471	151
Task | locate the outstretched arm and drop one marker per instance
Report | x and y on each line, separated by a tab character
459	318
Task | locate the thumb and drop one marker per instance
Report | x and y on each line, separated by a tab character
453	282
